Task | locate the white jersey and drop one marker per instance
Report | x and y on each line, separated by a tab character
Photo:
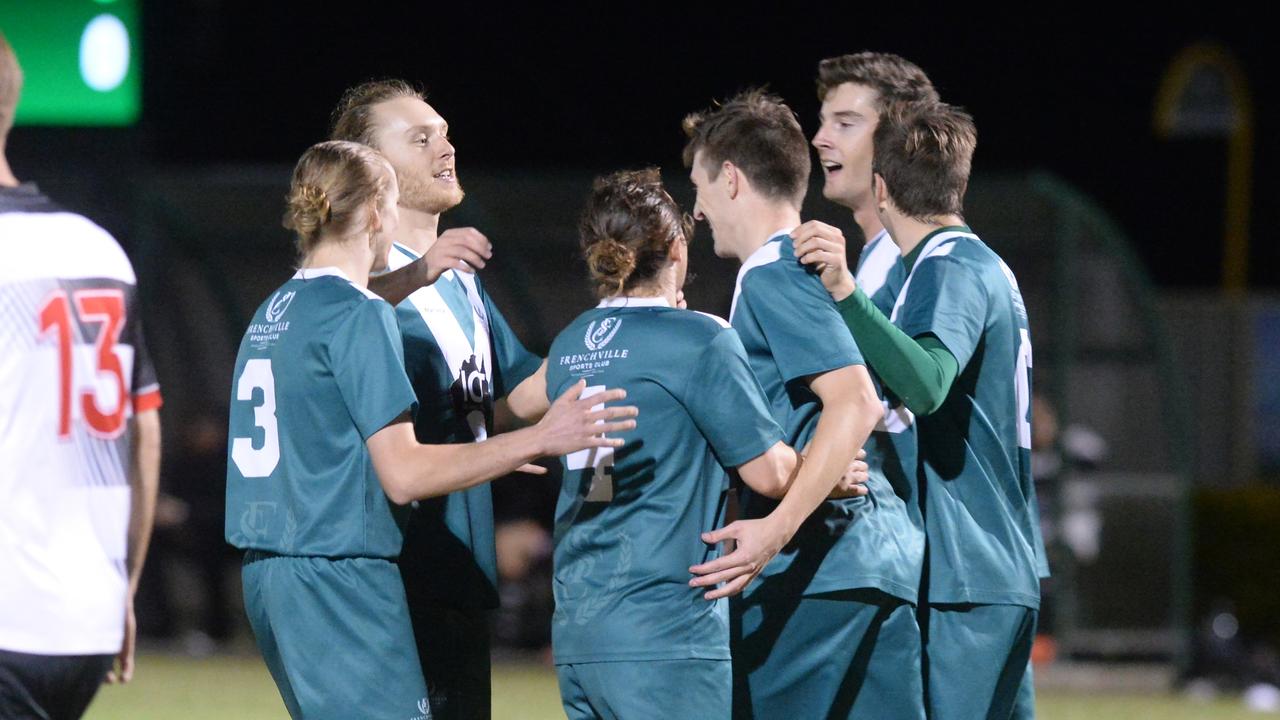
73	371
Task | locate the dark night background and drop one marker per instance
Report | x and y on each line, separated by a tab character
604	86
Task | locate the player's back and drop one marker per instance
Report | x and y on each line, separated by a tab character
73	371
628	520
975	449
308	391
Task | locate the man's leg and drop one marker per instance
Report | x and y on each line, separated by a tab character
454	648
49	687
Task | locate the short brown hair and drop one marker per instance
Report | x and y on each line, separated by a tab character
353	118
626	230
894	78
758	133
332	183
924	153
10	85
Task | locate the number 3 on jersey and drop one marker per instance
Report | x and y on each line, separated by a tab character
600	459
260	461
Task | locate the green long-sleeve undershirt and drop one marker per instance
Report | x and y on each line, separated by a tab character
918	370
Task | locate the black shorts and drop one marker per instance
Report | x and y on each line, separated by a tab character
57	687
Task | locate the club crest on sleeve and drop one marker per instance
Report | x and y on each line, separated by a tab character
598	337
279	303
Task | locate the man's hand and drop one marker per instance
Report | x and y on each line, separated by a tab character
575	422
464	249
853	482
680	301
122	669
823	246
757	542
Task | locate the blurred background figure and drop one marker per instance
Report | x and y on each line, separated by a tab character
191	584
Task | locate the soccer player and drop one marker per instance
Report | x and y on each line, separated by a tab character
957	351
79	447
323	457
463	361
854	90
830	631
631	638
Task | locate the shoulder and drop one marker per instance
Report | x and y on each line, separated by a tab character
694	327
60	244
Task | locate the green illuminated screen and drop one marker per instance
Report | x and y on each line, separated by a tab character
80	60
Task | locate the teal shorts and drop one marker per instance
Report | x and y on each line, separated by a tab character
976	660
335	635
1024	708
646	689
845	654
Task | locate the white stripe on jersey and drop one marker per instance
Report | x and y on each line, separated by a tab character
881	254
768	253
59	245
939	246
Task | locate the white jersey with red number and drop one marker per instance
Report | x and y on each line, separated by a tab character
73	370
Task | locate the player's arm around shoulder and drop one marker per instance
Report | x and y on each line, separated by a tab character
823	247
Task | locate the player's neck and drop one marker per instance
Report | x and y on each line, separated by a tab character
6	174
417	230
762	223
868	221
353	257
663	286
908	232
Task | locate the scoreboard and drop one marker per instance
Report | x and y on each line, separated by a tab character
81	60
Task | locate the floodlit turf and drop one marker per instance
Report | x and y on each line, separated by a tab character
170	686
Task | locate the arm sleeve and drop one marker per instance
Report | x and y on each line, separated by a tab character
727	403
919	371
367	361
512	361
805	333
145	392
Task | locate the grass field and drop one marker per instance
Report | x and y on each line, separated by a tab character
171	686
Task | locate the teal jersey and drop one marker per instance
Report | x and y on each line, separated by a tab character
628	520
891	449
319	371
791	331
461	356
880	272
975	451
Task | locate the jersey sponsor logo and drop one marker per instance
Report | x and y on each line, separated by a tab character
471	394
597	337
424	710
278	305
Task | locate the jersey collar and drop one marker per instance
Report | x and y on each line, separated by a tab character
313	273
626	301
